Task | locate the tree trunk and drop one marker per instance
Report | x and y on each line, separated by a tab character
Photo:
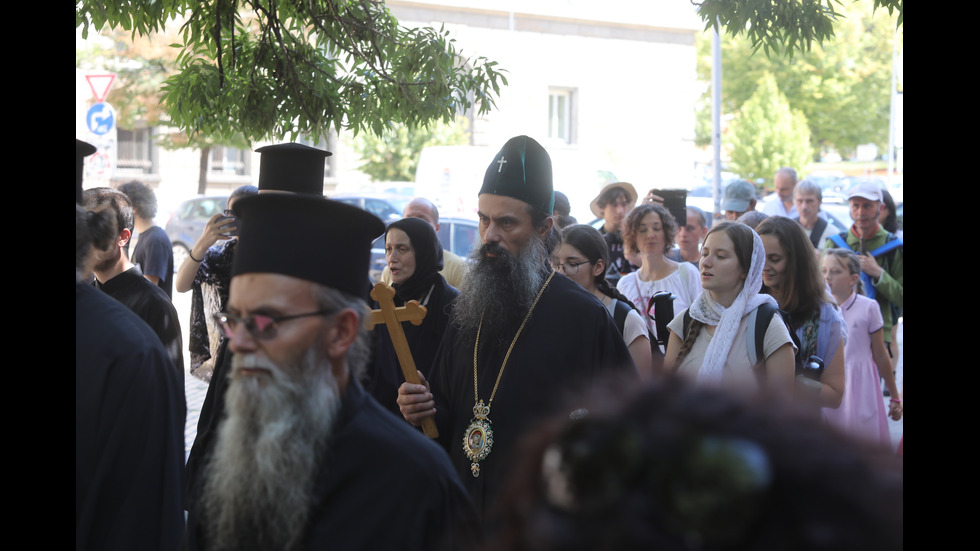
202	176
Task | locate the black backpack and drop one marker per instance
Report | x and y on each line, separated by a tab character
817	232
664	307
620	311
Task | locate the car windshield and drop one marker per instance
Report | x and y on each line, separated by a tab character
399	203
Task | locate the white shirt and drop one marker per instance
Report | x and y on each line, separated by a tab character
773	206
684	283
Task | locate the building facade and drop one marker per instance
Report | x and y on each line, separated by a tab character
612	84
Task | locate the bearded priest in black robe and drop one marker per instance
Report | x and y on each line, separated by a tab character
522	337
303	457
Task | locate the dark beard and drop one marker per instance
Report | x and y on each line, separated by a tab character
499	290
106	260
259	482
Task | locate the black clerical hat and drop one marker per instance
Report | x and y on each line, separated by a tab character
292	167
311	238
522	170
82	150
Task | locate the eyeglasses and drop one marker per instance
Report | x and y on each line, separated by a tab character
260	326
570	268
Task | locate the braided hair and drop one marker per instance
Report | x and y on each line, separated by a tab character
590	243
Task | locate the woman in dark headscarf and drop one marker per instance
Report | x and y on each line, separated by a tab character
414	256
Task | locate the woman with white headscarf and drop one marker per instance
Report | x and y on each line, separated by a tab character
714	348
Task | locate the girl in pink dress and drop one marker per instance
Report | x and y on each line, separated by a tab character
862	411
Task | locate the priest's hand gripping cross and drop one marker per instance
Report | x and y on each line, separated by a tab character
393	317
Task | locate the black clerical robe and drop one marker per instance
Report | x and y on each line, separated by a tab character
212	411
384	373
383	485
129	431
152	305
568	342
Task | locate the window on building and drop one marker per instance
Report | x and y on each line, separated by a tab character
136	152
229	161
561	114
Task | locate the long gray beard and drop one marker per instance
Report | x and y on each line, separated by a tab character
499	290
259	482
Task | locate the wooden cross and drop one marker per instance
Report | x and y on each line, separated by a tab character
393	317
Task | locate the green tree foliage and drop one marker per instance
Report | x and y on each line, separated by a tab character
767	134
842	86
142	64
394	155
278	68
783	27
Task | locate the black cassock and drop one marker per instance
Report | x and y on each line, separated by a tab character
129	430
383	485
153	306
568	342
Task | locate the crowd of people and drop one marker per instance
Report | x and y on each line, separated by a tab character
654	379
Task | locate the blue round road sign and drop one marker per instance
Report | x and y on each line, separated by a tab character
100	118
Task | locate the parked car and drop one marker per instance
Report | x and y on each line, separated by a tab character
378	261
838	217
384	206
702	197
187	221
459	235
833	185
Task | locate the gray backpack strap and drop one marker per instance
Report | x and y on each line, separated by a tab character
750	337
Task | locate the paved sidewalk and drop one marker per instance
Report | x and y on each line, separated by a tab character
194	388
194	392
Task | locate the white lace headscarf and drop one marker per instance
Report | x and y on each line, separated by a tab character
727	320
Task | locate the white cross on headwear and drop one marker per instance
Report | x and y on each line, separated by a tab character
500	164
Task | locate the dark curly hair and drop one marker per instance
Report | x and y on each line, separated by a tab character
675	466
635	218
142	197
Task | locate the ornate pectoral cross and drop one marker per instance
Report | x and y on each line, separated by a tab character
393	317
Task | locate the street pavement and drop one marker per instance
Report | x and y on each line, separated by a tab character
194	392
195	389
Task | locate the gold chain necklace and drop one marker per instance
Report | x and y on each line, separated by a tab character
478	438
